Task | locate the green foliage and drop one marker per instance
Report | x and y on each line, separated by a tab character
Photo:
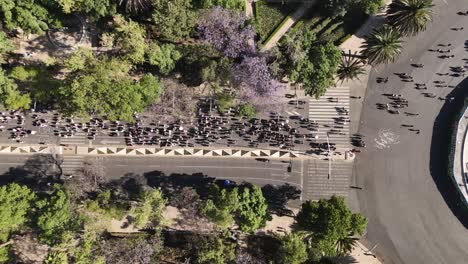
149	209
129	39
224	101
96	8
383	45
248	110
333	7
174	20
409	17
56	257
330	223
107	205
229	4
252	212
15	204
292	250
10	97
6	45
215	251
38	80
29	15
217	71
315	68
268	17
103	86
164	56
5	254
54	217
371	7
245	205
221	206
83	253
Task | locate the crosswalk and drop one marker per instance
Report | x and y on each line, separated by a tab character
71	164
78	139
320	184
331	112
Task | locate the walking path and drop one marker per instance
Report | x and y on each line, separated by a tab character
248	8
291	20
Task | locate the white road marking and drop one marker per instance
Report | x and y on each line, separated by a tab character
228	167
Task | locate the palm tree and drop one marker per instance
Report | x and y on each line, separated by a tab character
351	67
383	45
410	16
345	245
135	6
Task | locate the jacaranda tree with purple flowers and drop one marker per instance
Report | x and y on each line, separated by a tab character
227	31
256	83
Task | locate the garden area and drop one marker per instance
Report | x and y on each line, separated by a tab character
269	15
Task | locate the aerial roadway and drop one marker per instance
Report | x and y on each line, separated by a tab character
406	195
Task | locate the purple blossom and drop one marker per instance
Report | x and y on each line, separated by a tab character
257	84
226	31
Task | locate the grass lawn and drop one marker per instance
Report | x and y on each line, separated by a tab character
332	29
268	15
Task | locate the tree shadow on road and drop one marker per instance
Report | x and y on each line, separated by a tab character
278	197
39	172
441	149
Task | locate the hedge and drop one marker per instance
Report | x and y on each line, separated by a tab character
276	30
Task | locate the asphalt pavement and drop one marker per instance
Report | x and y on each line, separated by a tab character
412	215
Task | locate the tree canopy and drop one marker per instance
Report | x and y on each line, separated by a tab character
163	56
245	205
10	96
129	38
292	249
149	209
228	4
29	15
54	216
6	45
174	19
330	222
98	85
215	251
16	203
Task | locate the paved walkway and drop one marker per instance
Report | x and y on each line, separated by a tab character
460	164
248	8
292	19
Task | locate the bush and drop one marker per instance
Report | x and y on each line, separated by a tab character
224	102
247	110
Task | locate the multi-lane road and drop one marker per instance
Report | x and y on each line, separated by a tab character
406	194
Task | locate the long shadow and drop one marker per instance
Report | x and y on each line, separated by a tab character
444	125
39	172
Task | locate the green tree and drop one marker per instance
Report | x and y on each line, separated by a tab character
410	17
103	86
149	209
383	45
96	8
221	205
370	7
10	97
54	217
174	19
163	56
6	45
229	4
252	213
292	249
334	7
129	39
316	70
56	257
330	223
37	80
350	67
15	204
215	251
135	6
248	110
29	15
